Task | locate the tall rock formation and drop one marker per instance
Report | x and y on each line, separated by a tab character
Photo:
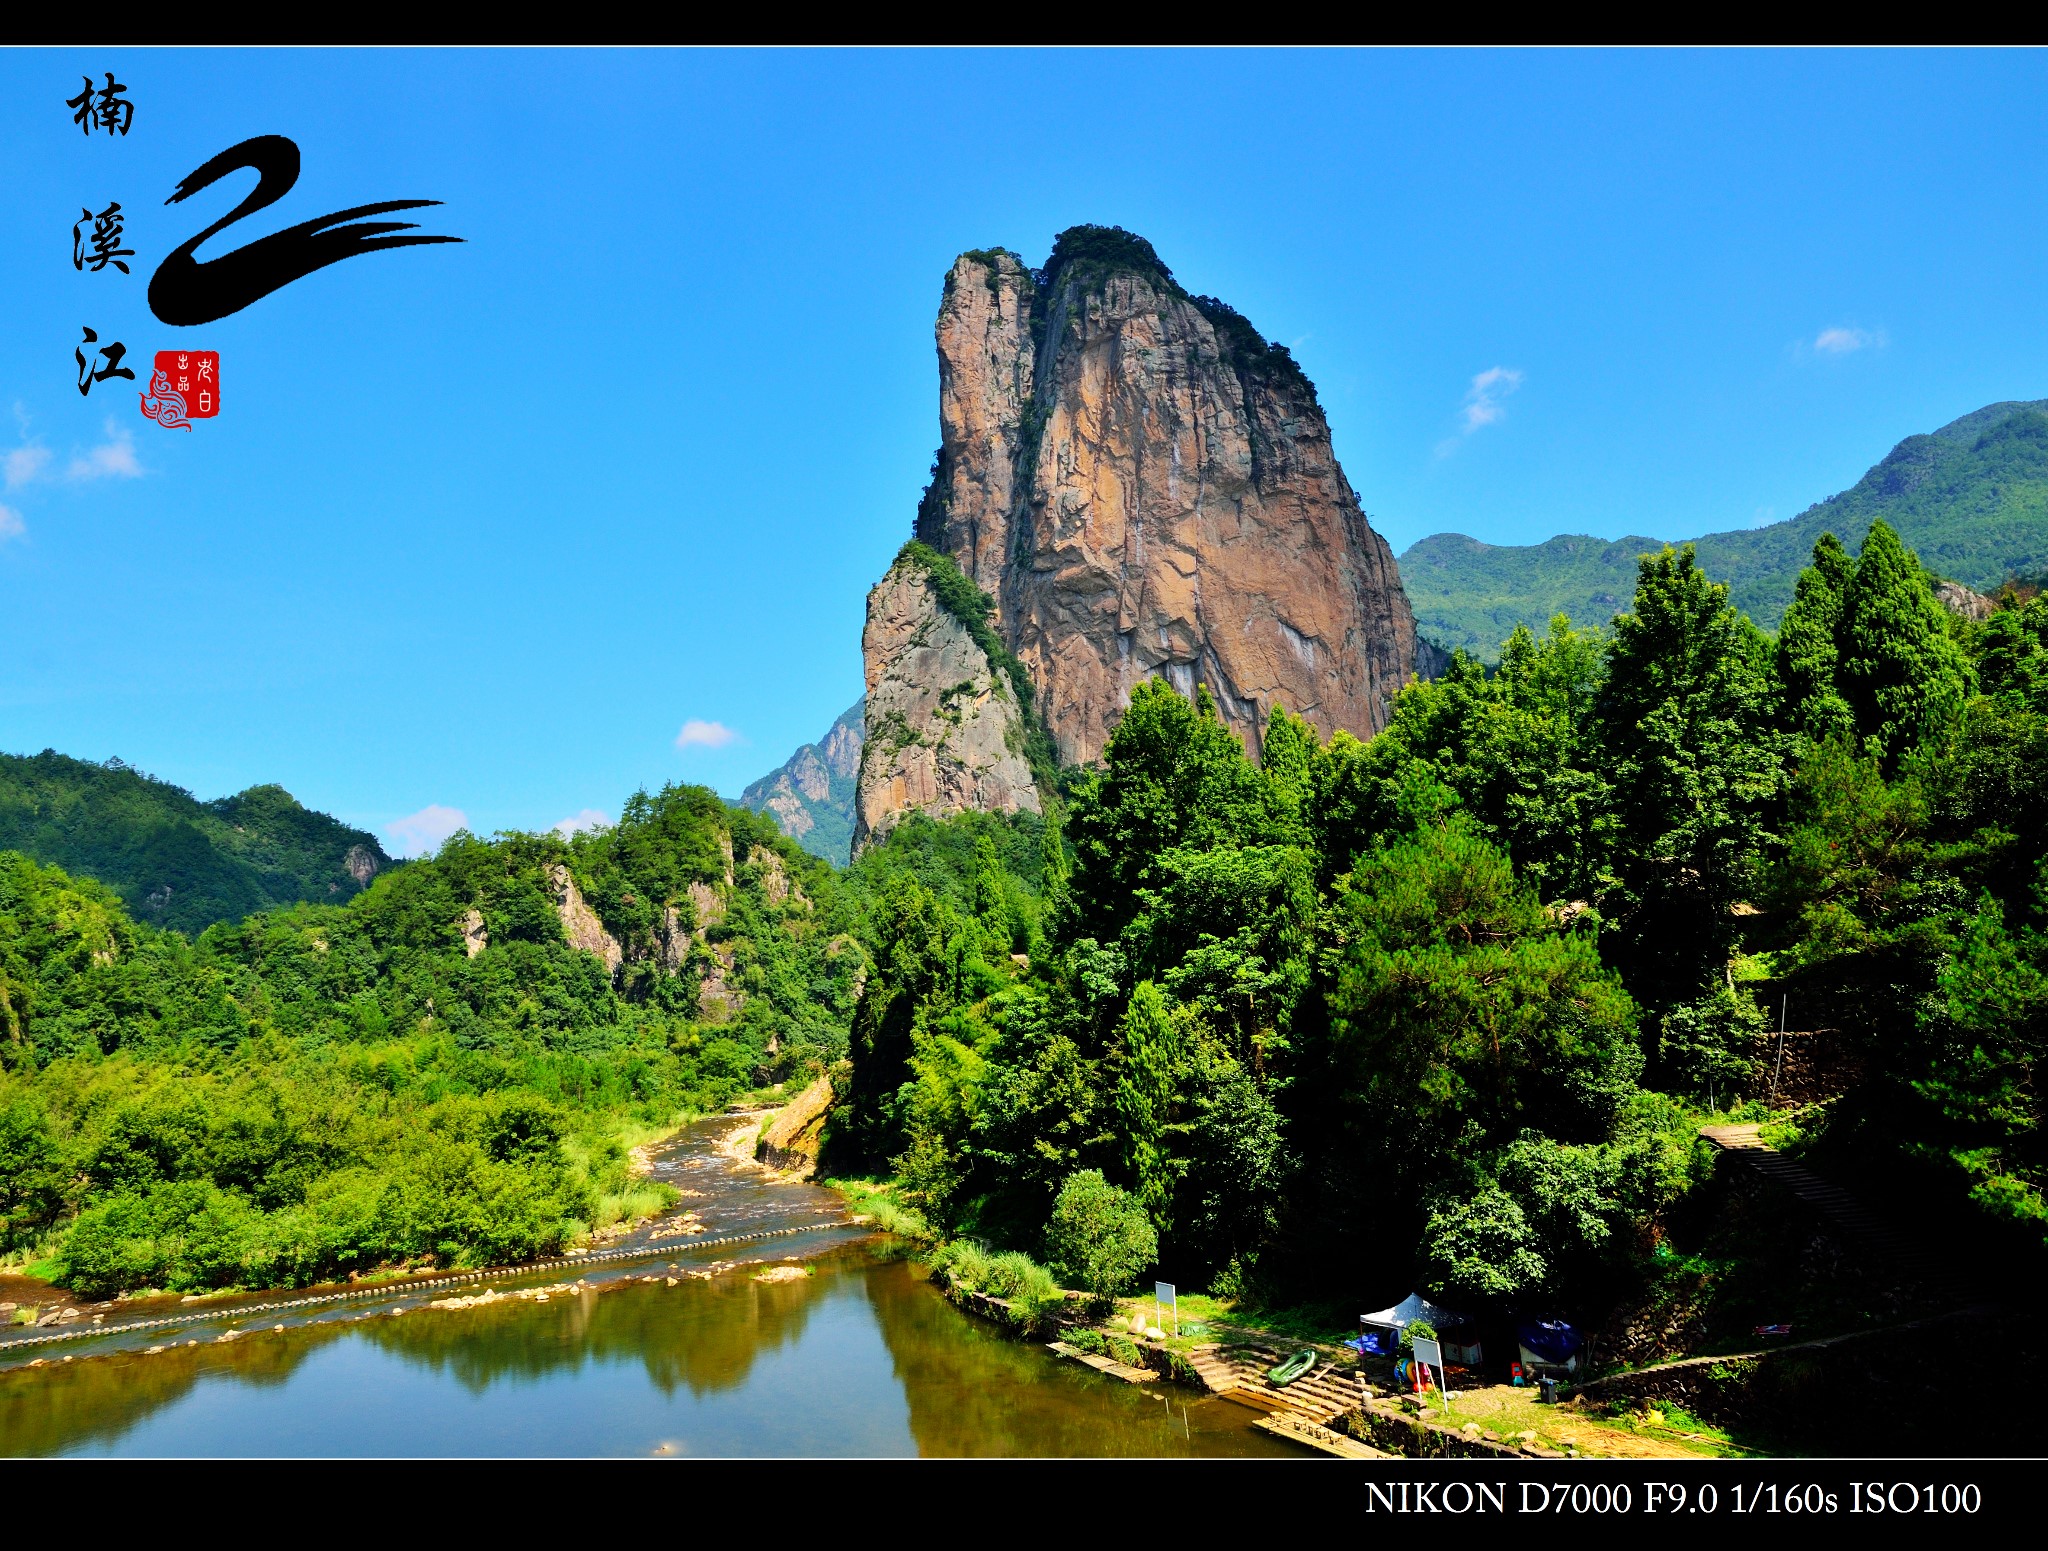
945	730
1147	488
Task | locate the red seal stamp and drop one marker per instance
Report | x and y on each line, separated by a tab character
184	387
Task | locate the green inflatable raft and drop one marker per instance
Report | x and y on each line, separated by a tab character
1299	1366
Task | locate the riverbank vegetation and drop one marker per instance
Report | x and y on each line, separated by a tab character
434	1072
1446	1008
1443	1009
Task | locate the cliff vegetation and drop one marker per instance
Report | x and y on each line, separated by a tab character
448	1069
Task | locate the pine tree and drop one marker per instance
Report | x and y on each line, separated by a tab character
1807	646
1151	1040
1694	767
1288	757
991	894
1901	672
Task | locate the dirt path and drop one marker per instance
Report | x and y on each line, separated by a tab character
1508	1411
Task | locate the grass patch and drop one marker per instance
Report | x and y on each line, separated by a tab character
876	1201
1624	1430
1206	1318
645	1199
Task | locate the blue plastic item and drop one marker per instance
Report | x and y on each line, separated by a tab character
1549	1340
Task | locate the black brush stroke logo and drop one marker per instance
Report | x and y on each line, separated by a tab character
184	292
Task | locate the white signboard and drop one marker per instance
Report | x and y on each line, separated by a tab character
1164	1298
1431	1356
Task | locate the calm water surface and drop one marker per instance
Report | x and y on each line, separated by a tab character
859	1357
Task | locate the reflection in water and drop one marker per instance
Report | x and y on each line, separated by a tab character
972	1391
859	1358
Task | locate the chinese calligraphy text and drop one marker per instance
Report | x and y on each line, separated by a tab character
110	353
104	109
102	245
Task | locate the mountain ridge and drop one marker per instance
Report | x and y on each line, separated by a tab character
810	794
174	860
1971	497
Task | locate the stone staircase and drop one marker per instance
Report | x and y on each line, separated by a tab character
1914	1257
1238	1373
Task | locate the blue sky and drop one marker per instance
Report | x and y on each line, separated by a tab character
484	529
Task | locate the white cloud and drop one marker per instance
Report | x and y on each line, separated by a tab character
705	735
589	818
113	458
1845	341
11	525
26	463
420	833
1483	399
1483	404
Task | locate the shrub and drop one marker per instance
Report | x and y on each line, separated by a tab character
1020	1278
1099	1237
964	1263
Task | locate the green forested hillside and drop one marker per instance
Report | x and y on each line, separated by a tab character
173	860
434	1070
1445	1009
1972	499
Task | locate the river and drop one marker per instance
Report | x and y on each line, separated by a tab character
850	1353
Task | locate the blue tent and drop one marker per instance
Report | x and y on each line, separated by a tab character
1548	1344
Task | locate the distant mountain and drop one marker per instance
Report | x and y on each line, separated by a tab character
1972	499
174	860
811	796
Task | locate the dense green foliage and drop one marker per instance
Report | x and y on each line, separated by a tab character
1972	499
1444	1008
1449	1004
431	1071
174	860
1099	1237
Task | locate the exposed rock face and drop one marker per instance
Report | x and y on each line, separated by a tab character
791	1140
1148	489
580	924
945	734
362	863
1958	599
474	938
811	796
776	884
718	999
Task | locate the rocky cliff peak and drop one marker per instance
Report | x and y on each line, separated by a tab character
1146	488
947	730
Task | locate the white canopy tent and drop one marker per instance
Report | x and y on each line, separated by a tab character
1455	1332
